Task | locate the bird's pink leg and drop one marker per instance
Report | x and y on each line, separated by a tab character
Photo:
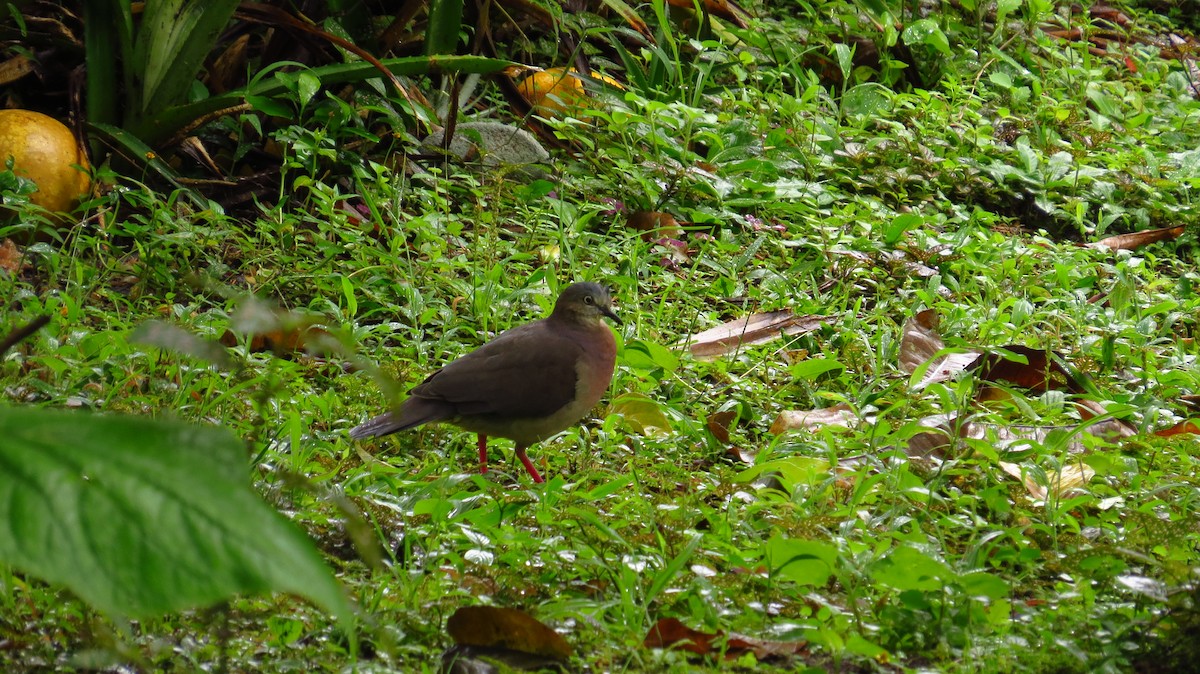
482	453
528	464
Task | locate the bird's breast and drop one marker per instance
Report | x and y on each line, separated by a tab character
595	369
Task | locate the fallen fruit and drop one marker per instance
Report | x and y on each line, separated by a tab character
557	91
44	150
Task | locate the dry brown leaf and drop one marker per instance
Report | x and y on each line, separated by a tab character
672	633
1183	428
1108	428
943	429
838	415
752	330
920	342
10	257
740	455
15	68
718	424
1183	49
1138	239
194	148
928	445
1040	372
1017	437
1112	429
654	224
1111	14
1065	482
229	68
506	628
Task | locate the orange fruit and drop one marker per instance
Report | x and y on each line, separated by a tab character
558	91
44	150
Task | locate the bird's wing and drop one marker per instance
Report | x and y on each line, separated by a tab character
529	371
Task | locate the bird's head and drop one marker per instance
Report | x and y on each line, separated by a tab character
585	303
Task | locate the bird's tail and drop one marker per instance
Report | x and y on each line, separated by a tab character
414	412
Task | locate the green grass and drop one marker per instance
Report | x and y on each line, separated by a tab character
794	199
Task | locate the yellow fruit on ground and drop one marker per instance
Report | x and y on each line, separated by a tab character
556	91
43	150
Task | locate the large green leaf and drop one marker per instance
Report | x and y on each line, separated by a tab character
907	568
445	24
108	41
801	561
174	39
141	517
927	32
163	125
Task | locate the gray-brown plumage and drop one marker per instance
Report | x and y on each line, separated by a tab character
527	384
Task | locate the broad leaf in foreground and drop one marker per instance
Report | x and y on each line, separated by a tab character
141	517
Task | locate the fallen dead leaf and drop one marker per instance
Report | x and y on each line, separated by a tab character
718	424
15	68
920	343
1110	428
506	628
1042	370
752	330
1065	482
672	633
1111	14
654	225
1016	437
1183	428
1138	239
229	66
740	455
10	257
838	415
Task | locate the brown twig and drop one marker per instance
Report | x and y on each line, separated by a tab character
23	332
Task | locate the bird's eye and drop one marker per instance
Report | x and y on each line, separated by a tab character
587	299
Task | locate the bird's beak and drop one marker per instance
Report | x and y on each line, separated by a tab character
608	311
